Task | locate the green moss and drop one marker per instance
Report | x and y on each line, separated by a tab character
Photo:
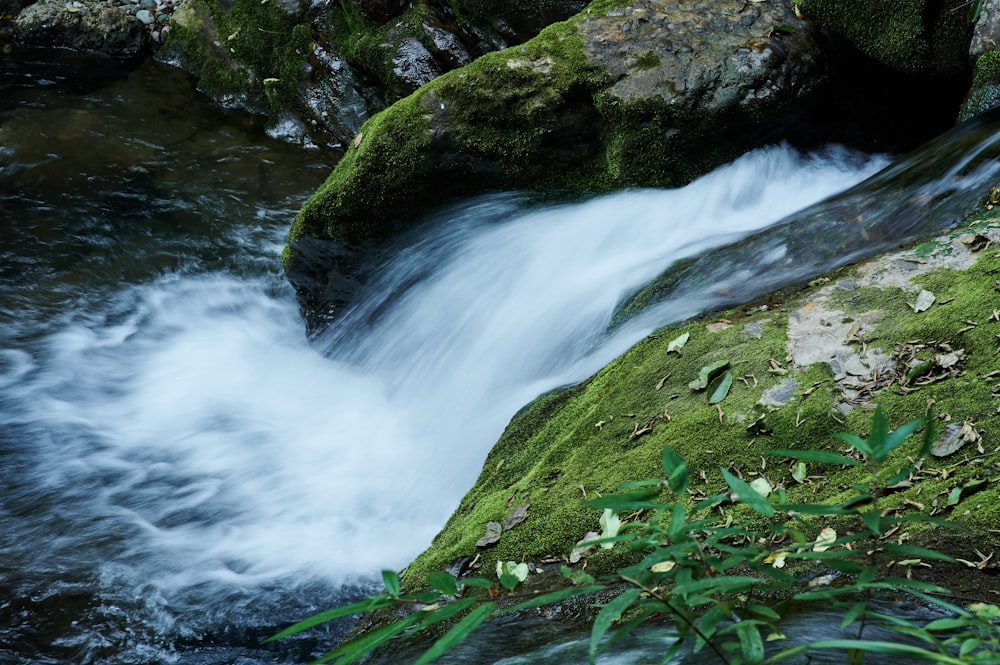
911	36
985	92
580	440
373	179
245	50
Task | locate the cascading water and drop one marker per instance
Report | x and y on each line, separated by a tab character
181	472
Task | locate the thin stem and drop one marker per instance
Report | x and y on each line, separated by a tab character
680	615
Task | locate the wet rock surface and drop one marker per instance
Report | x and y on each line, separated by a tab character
98	27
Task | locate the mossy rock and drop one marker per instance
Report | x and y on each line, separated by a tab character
985	92
925	37
646	93
812	366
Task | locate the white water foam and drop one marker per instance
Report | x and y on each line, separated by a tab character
212	444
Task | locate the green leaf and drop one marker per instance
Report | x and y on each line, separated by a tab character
722	584
947	624
799	473
508	581
719	388
880	429
678	522
391	580
747	495
477	582
852	614
458	632
555	597
369	641
855	441
675	470
914	551
443	582
707	373
424	596
446	612
873	520
968	646
750	642
676	344
892	648
610	524
626	501
930	434
974	9
371	603
815	456
897	437
608	615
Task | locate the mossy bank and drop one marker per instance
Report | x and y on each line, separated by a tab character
804	365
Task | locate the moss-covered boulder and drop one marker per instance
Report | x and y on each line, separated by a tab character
803	366
643	93
925	37
318	70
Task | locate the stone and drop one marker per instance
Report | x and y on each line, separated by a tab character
95	27
578	108
986	34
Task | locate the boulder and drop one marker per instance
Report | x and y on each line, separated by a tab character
81	25
984	93
323	68
649	93
917	37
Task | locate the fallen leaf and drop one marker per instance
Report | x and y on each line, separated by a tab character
707	373
663	567
516	516
675	345
954	438
492	535
761	486
357	139
719	388
823	580
582	549
825	540
924	301
610	524
799	472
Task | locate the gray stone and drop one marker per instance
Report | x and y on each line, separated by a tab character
96	27
986	35
145	16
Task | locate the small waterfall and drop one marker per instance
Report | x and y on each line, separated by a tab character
183	472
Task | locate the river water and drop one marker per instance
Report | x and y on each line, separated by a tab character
182	472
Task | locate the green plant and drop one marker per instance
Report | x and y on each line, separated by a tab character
723	571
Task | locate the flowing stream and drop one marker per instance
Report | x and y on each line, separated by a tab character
182	472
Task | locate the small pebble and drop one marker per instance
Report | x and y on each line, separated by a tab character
145	16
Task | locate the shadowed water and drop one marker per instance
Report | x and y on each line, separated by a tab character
181	471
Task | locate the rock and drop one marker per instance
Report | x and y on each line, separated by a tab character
383	50
919	37
986	33
649	94
145	16
88	26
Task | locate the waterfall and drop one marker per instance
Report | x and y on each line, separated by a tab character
183	471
